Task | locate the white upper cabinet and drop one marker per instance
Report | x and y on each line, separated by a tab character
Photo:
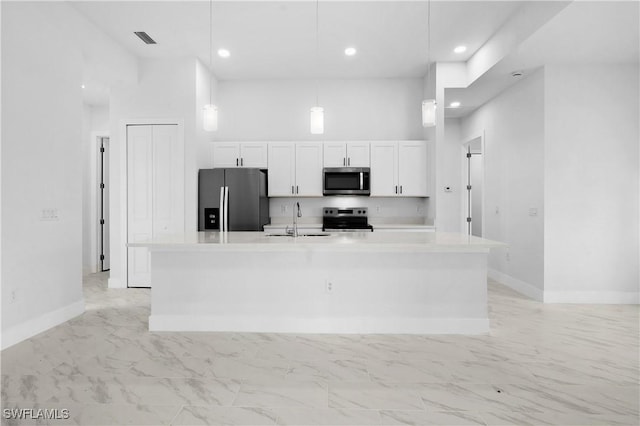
335	154
309	169
295	169
413	169
282	171
226	154
358	154
384	169
240	154
346	154
400	169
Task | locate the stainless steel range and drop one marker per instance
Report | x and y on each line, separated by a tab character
350	219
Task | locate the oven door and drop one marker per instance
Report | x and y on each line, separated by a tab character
346	181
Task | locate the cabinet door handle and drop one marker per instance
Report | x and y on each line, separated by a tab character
349	161
292	190
242	161
401	189
344	161
297	189
396	189
236	162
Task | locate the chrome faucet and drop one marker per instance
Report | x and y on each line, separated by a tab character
296	214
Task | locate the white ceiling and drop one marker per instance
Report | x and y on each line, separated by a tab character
585	32
276	39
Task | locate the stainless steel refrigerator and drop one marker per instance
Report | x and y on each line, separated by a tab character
232	200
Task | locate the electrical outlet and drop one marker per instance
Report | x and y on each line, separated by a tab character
328	286
377	209
49	214
533	211
283	208
507	256
12	296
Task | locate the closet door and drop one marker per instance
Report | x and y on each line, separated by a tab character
139	203
155	193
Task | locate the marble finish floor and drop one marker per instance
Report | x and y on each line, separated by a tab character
541	364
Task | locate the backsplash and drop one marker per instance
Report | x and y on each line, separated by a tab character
379	207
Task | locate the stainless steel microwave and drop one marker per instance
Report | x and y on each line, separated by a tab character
346	181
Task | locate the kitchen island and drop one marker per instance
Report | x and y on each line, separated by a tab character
363	282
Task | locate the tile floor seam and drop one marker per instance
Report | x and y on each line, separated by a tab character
173	420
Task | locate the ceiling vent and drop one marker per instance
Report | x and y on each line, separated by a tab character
144	37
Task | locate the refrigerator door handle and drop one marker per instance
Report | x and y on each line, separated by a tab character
226	208
221	212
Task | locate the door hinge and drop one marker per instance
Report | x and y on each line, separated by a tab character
468	155
102	257
102	186
468	187
469	219
101	221
101	149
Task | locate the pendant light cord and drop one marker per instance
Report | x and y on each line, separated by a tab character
210	52
317	49
429	43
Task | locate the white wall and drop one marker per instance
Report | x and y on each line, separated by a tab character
513	127
447	149
591	183
377	109
41	169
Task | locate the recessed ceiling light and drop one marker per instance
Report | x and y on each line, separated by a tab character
224	53
460	49
455	104
82	86
350	51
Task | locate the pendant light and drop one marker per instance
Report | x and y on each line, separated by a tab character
428	105
210	111
317	112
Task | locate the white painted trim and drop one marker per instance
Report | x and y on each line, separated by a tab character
348	325
30	328
116	283
122	280
521	287
593	297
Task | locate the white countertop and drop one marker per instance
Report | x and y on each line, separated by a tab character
352	241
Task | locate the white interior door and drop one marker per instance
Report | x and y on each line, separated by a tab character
139	203
155	193
168	181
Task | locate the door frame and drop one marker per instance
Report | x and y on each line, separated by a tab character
121	231
94	201
463	182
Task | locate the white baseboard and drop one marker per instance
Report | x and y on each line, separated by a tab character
521	287
358	325
593	297
116	283
30	328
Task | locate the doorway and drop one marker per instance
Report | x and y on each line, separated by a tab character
103	204
474	166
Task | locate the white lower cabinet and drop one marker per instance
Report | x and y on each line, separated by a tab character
295	169
400	169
